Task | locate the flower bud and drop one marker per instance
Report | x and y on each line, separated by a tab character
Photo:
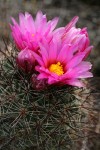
26	60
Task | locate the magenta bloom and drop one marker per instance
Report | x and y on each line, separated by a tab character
26	61
58	63
75	36
29	32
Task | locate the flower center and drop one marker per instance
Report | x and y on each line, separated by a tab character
56	68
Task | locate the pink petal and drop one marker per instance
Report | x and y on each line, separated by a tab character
64	54
74	82
52	52
18	41
40	22
44	53
83	43
77	71
59	31
21	20
38	18
71	23
54	23
75	60
83	66
85	75
38	58
87	51
84	31
71	35
30	24
14	22
52	80
42	76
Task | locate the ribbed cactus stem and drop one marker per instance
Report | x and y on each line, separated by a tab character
36	118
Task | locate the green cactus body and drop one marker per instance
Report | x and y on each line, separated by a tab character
36	119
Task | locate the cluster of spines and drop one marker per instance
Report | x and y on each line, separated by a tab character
39	119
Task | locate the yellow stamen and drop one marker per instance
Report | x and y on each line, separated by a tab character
56	68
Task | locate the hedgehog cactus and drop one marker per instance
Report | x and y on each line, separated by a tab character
39	107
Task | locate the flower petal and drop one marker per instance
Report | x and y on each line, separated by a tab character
74	82
85	75
75	60
71	23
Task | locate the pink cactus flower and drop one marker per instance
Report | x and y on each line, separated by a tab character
75	36
26	60
59	64
29	32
